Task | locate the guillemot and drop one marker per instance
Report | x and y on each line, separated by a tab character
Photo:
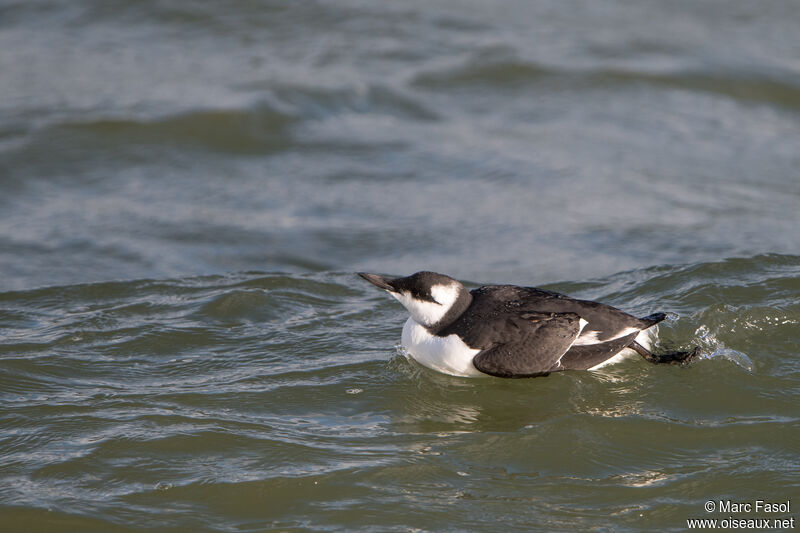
511	332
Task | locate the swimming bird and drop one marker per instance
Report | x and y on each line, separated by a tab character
512	332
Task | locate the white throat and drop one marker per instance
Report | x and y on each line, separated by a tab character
429	313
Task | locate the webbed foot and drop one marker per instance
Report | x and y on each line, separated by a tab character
673	358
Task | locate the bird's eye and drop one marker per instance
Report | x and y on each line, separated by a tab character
430	298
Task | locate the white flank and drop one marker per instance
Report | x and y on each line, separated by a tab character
621	356
645	338
448	355
429	313
590	337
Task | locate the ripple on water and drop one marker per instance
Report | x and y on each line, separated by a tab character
235	398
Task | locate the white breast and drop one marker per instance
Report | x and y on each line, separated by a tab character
448	355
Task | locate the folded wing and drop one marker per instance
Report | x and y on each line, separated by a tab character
533	345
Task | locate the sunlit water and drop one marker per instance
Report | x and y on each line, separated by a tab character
186	190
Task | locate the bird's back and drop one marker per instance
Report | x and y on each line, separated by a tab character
491	317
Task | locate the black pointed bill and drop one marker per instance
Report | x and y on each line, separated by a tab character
378	281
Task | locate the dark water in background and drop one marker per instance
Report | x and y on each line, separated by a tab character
187	187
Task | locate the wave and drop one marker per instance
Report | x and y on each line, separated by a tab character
159	394
269	125
727	307
258	129
513	73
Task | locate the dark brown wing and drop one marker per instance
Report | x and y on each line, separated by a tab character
538	342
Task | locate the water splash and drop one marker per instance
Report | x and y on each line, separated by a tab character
711	348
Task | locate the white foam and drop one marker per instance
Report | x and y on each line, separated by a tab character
715	348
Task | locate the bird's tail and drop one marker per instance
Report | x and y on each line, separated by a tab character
652	320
